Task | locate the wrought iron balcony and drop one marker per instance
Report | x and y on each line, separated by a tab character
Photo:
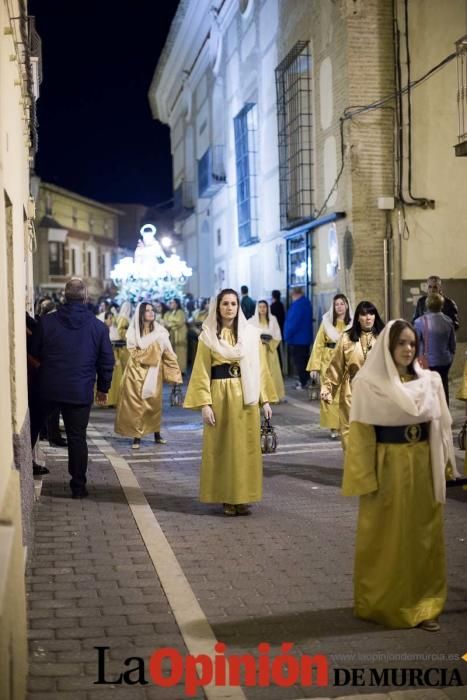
211	171
184	201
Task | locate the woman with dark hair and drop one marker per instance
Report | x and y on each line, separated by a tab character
151	362
349	356
334	323
399	453
175	322
271	338
114	391
160	309
230	379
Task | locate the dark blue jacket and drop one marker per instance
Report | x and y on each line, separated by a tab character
73	346
299	323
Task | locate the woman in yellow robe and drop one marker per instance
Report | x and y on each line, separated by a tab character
123	322
151	361
399	447
175	322
114	391
271	338
349	356
230	378
334	323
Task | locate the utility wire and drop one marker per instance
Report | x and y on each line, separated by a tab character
354	110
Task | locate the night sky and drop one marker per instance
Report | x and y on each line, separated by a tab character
97	136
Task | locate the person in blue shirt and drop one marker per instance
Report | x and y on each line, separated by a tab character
298	334
437	339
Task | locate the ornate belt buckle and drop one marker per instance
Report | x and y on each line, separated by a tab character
234	370
413	433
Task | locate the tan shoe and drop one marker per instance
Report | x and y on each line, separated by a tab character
430	625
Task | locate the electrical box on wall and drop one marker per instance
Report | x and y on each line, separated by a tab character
386	203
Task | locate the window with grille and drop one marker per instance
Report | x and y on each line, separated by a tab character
245	131
294	121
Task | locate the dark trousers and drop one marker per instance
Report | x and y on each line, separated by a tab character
300	354
76	419
53	425
443	371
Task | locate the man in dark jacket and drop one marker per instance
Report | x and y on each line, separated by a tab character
73	346
434	286
278	310
298	334
247	303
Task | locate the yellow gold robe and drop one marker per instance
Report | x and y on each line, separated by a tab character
400	573
462	396
348	358
114	391
136	416
175	322
232	464
319	361
273	362
122	327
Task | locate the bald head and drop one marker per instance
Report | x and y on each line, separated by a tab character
75	290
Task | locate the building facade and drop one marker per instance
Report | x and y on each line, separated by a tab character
76	236
19	89
297	146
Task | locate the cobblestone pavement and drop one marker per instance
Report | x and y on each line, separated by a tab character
283	574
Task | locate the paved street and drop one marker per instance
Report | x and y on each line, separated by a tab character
141	564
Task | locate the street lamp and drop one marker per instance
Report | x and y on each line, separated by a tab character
461	51
166	241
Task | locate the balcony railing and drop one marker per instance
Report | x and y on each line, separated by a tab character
184	201
211	171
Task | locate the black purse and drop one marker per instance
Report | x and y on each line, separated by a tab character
461	436
265	337
268	437
176	396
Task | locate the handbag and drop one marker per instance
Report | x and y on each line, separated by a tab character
265	337
461	436
423	359
268	437
176	396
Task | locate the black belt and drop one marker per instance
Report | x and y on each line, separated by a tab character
226	371
400	434
330	345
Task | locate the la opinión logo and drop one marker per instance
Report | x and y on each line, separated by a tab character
194	672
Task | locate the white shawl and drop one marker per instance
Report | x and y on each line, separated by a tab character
245	352
134	339
273	325
331	330
379	397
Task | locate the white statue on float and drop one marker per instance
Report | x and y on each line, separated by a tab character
151	274
149	248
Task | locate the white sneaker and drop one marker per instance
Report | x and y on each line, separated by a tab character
298	387
136	444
